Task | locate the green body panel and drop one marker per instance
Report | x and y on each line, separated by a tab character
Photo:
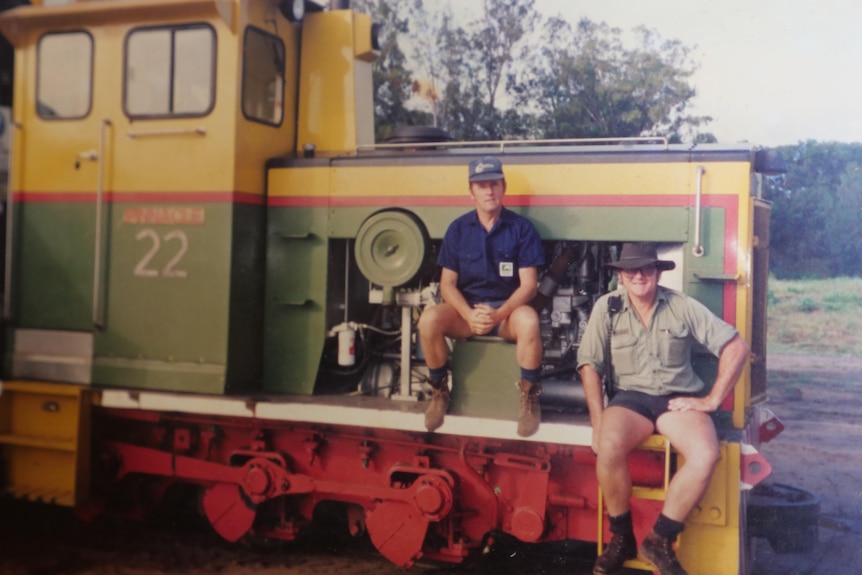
295	308
248	270
484	374
182	302
667	224
705	277
53	279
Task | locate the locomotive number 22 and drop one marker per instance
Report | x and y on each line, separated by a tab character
170	270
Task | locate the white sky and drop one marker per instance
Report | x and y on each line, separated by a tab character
772	72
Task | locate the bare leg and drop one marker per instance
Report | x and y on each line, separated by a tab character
435	324
621	431
692	434
522	327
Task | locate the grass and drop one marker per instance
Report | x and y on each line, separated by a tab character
820	317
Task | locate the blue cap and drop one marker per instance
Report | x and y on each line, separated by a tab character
486	169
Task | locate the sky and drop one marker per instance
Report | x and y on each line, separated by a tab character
771	72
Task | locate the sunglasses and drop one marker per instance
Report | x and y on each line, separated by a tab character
645	271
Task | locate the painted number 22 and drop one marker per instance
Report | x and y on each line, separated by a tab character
170	270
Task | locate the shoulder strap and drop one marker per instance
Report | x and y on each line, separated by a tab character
615	304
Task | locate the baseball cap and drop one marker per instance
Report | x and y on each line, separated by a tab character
485	169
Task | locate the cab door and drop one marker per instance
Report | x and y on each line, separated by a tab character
56	174
163	308
56	170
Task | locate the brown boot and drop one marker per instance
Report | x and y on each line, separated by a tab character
659	551
530	413
436	410
620	548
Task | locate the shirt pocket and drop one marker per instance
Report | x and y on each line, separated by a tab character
674	346
469	262
505	263
623	354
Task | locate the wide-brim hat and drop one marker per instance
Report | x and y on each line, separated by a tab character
636	255
486	169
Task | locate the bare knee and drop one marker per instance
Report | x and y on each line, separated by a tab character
525	322
431	321
703	461
612	449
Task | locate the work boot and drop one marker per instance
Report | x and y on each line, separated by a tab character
436	410
530	413
659	551
620	548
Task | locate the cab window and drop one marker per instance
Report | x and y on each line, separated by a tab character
64	75
170	71
263	77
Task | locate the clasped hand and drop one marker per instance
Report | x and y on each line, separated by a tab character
483	318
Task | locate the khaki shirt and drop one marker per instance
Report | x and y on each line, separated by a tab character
654	359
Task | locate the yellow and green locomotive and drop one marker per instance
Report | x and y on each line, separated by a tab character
213	277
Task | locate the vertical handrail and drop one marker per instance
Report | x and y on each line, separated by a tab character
697	250
10	223
98	321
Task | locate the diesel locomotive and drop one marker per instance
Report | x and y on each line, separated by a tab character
213	277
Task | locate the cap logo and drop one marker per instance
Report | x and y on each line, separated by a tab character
480	167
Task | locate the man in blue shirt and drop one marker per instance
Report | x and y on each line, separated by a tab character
489	259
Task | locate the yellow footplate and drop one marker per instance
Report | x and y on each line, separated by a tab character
45	441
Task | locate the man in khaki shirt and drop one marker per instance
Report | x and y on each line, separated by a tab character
648	332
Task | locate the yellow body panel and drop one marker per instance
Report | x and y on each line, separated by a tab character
522	180
336	112
135	155
45	441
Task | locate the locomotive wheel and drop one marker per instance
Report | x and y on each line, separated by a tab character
391	246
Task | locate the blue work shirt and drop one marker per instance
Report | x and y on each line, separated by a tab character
488	263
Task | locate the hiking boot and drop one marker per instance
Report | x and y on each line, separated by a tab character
620	549
659	551
436	410
530	412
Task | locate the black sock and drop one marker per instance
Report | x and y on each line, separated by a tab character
622	524
668	528
531	375
437	373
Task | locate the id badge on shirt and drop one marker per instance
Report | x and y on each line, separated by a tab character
507	269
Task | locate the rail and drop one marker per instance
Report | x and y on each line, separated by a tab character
167	132
501	145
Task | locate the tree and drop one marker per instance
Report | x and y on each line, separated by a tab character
472	66
393	80
817	211
488	81
586	83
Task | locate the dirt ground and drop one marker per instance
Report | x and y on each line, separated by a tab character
818	399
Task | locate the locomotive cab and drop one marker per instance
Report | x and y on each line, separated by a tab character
136	204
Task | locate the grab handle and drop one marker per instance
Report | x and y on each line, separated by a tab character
697	250
10	223
98	319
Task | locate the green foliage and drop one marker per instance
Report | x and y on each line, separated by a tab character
586	83
512	74
816	224
392	79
